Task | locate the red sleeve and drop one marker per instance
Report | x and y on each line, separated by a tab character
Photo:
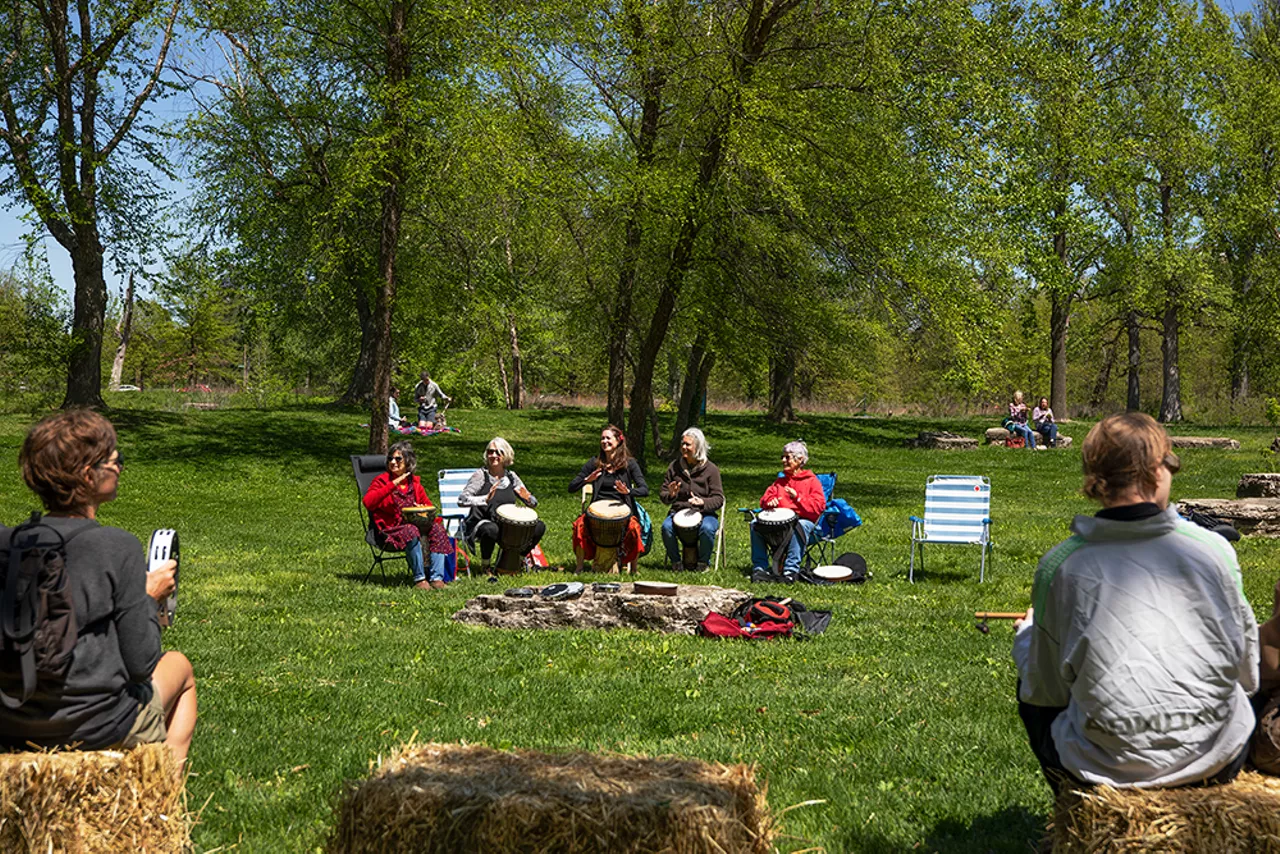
378	491
813	501
774	491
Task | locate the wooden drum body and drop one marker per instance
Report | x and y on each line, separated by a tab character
687	525
606	524
516	533
421	516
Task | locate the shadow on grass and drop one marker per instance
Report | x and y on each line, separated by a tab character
1013	830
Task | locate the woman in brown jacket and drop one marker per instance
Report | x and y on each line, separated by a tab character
692	482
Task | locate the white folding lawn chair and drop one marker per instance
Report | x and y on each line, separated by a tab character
957	511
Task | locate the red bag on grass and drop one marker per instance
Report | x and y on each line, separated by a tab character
719	626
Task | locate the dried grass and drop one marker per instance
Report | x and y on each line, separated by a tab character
1242	817
448	798
92	801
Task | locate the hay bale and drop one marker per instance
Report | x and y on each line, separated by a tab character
92	801
451	797
1242	817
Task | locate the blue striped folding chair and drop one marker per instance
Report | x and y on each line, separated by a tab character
452	515
957	511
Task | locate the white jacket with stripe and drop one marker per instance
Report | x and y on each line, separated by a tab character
1141	630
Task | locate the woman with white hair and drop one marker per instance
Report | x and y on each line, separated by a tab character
796	489
488	489
692	482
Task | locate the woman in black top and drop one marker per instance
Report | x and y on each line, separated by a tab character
614	475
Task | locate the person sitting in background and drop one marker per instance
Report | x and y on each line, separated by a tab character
1138	655
796	489
1042	418
121	690
488	489
1017	421
692	482
394	421
615	476
393	490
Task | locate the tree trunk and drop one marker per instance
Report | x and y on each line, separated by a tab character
1133	393
397	56
686	414
360	390
1059	320
1103	382
123	330
516	400
782	379
658	450
1171	394
506	386
84	370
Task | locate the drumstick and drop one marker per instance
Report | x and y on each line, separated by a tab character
999	615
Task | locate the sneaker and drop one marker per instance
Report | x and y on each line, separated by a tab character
437	585
677	566
701	567
422	585
1042	447
762	576
788	578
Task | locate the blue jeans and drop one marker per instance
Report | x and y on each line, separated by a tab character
414	554
1026	433
760	557
1050	433
706	539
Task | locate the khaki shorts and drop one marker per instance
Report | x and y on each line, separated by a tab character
148	727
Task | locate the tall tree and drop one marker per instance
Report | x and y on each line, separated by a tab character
75	85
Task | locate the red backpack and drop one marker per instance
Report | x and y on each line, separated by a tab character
719	626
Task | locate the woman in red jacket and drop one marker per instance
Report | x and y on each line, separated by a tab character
396	488
795	489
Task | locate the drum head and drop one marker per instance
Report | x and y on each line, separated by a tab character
608	510
776	516
418	510
518	515
833	573
570	590
687	519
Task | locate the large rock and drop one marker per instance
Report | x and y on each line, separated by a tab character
1258	517
943	441
1205	442
679	614
1260	485
998	436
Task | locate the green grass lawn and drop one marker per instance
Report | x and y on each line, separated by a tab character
900	719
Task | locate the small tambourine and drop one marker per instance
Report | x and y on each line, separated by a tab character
164	547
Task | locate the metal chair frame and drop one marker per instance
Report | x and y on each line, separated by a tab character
957	511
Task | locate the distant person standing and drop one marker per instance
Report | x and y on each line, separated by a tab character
426	392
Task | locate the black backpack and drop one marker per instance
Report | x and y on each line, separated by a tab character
38	629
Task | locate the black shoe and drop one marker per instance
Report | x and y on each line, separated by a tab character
701	567
677	566
762	576
788	578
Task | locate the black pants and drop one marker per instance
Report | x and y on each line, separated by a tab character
1038	721
487	536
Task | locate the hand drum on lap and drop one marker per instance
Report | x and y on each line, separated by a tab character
607	523
420	515
775	525
516	532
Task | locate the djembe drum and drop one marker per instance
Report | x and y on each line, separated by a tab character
516	526
776	527
687	525
421	516
607	523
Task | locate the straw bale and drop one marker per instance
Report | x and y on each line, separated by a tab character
1242	817
449	797
92	801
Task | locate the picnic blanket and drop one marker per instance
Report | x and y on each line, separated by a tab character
411	430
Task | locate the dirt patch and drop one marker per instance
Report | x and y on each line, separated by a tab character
679	614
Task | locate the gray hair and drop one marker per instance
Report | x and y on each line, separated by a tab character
504	449
799	449
700	446
406	450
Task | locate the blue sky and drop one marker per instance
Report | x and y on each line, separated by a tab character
12	228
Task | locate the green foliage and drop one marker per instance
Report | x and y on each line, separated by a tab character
34	339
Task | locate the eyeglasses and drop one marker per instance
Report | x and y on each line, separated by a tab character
489	451
118	462
396	459
1172	463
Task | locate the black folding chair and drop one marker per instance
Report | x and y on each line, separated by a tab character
366	467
